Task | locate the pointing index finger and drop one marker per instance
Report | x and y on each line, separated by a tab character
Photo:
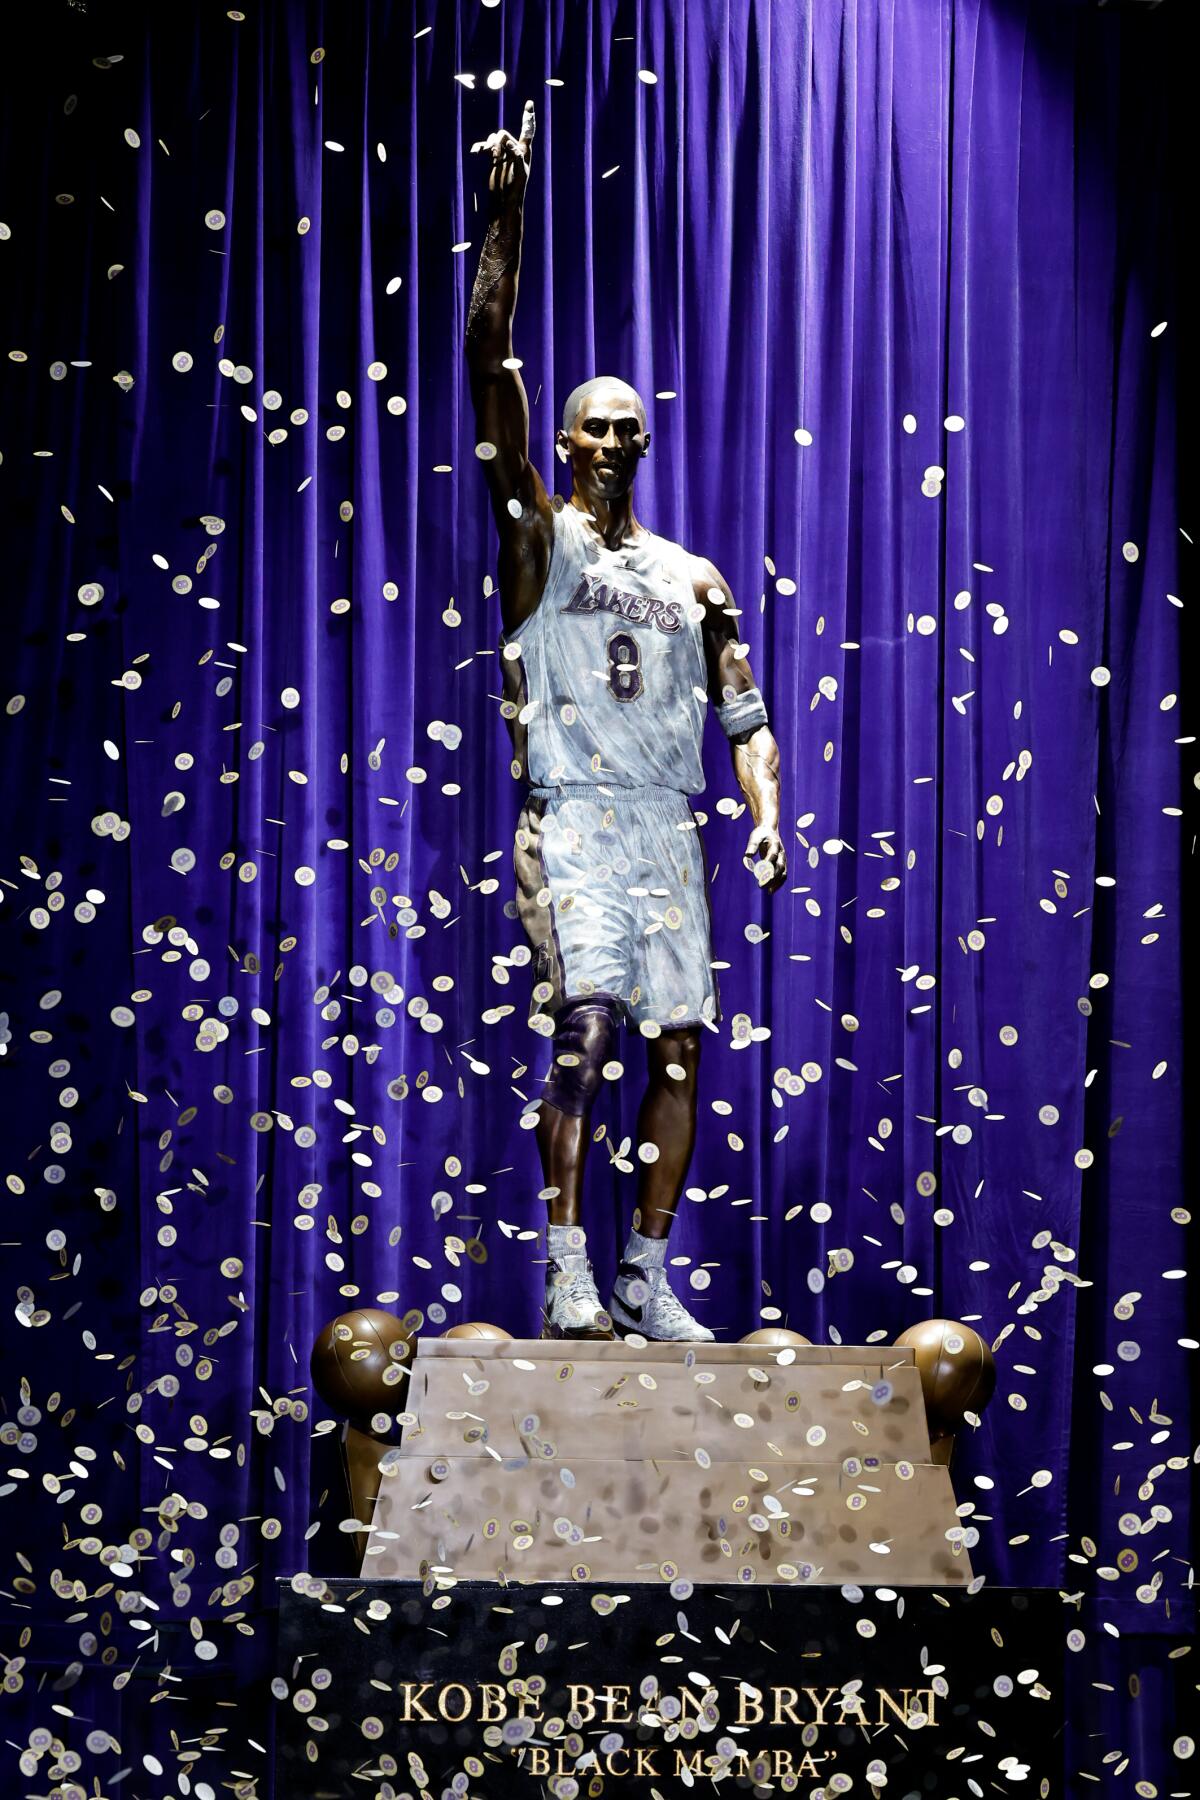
528	123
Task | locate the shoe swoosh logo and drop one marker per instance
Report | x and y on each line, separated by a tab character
635	1312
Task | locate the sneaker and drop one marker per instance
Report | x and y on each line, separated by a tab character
643	1302
573	1308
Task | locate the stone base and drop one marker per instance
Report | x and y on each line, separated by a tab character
607	1461
625	1690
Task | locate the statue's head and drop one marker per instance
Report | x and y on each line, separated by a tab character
603	436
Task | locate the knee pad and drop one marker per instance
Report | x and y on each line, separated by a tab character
585	1032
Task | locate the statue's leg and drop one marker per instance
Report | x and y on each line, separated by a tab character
579	922
642	1299
672	998
585	1038
667	1119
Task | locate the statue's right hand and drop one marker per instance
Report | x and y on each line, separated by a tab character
511	157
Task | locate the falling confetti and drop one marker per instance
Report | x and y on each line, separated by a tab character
268	1047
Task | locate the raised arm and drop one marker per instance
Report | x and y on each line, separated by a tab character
734	695
520	503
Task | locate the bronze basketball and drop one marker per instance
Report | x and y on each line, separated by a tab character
958	1371
351	1358
479	1328
775	1337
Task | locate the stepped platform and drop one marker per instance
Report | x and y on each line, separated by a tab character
539	1461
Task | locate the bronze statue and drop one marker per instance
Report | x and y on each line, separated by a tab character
616	643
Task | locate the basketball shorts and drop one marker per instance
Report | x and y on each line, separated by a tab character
612	889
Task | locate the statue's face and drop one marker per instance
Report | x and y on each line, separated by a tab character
605	444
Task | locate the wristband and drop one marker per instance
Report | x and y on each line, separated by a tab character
743	712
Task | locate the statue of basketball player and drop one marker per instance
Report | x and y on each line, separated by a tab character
615	643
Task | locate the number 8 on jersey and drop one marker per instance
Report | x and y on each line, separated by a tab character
624	666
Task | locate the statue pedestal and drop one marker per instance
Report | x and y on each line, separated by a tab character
535	1461
561	1688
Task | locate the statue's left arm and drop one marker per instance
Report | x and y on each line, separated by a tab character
742	714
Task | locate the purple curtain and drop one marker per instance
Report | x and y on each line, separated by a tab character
888	274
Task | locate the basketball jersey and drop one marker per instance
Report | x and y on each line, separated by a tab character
604	689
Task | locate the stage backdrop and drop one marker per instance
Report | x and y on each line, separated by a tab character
895	279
